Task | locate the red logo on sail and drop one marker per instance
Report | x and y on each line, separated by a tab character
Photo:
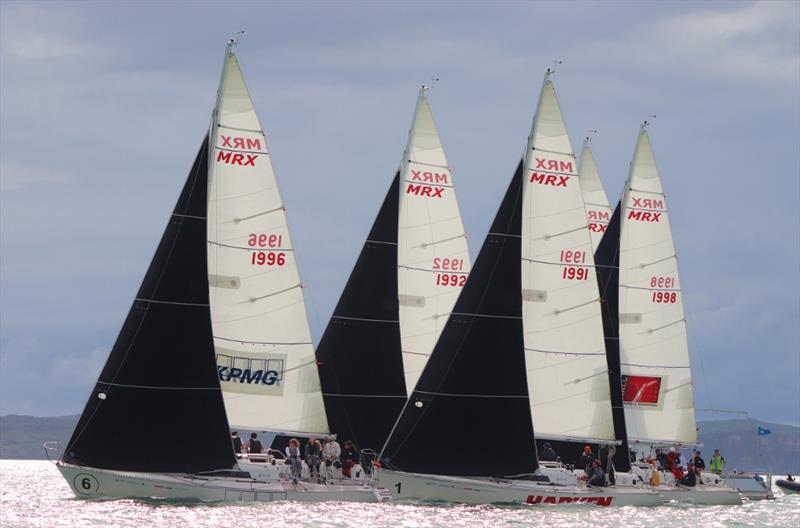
641	389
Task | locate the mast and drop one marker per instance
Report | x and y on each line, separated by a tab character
563	333
160	377
265	357
656	371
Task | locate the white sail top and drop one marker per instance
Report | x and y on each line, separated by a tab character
656	374
432	255
265	357
564	346
598	212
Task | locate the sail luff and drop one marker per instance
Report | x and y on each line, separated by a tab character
656	369
433	258
564	344
265	356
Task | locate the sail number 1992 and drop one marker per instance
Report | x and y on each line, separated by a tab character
443	265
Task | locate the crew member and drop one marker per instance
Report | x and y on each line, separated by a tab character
349	458
237	442
293	458
548	454
598	475
254	445
717	462
690	479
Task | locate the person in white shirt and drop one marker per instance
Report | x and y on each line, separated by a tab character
330	456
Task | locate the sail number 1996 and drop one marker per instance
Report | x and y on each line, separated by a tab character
269	241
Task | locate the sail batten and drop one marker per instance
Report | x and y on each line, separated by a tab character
265	356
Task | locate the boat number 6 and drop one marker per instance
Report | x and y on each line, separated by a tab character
85	484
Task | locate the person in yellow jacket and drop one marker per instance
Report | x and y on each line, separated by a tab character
717	462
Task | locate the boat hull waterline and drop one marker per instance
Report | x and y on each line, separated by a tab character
91	483
404	485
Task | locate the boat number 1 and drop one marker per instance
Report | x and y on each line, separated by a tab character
399	486
85	484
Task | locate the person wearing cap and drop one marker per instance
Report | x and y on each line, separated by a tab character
548	454
690	479
585	461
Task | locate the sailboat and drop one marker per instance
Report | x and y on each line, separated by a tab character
163	376
400	293
645	327
513	327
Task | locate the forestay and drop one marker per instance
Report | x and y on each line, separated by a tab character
564	347
598	211
656	376
432	255
265	358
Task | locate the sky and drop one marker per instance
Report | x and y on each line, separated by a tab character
103	105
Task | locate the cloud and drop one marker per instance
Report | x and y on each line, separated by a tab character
736	42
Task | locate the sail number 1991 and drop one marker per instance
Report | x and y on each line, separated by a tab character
568	256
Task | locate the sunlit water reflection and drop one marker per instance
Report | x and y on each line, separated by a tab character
33	494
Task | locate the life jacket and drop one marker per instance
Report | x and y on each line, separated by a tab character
717	463
294	452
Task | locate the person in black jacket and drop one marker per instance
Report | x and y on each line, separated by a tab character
254	446
349	458
237	442
548	454
698	463
585	461
598	475
690	479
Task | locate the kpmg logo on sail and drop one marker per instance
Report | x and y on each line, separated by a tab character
250	374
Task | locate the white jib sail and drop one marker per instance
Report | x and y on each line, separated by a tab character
265	357
598	212
565	353
656	374
432	255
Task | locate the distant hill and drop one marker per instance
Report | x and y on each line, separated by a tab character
21	437
743	449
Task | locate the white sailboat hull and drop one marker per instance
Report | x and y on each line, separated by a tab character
750	485
404	485
707	492
94	483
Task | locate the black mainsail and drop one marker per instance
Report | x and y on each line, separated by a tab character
359	356
160	380
475	382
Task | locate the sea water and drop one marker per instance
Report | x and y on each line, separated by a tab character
33	494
